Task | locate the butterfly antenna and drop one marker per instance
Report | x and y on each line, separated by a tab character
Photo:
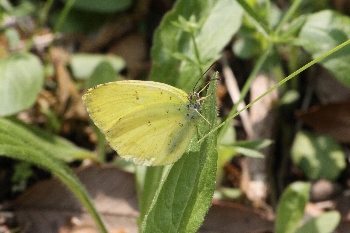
204	87
203	76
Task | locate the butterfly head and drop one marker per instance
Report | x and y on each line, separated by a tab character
194	106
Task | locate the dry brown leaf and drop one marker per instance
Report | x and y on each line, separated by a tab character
231	217
332	119
69	104
46	206
134	50
328	88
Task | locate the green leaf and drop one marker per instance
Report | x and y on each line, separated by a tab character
24	9
246	47
184	197
103	73
247	148
228	193
78	21
104	6
288	97
322	32
16	133
148	180
32	145
294	27
22	171
318	156
12	36
21	79
217	21
325	223
61	170
253	144
83	65
291	207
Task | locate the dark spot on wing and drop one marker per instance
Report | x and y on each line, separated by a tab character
137	95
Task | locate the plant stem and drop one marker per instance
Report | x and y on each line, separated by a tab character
318	59
42	19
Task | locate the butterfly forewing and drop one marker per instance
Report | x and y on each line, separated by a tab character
144	121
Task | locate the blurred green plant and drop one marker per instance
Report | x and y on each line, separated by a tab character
21	79
318	156
290	212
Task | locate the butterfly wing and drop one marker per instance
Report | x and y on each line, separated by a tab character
143	121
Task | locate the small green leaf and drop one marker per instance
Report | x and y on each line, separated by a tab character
291	207
83	65
21	79
294	27
246	47
322	32
189	26
103	73
228	193
289	97
12	36
318	156
325	223
22	172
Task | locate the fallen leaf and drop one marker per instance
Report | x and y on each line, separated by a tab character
332	119
46	206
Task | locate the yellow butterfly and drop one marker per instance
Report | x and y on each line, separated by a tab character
147	122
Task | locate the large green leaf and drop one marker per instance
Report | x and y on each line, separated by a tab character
17	142
21	79
291	207
318	156
322	32
216	20
18	134
186	193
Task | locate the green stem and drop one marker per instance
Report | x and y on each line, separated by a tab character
40	24
80	192
287	16
278	85
199	62
258	22
147	183
246	86
268	13
63	15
